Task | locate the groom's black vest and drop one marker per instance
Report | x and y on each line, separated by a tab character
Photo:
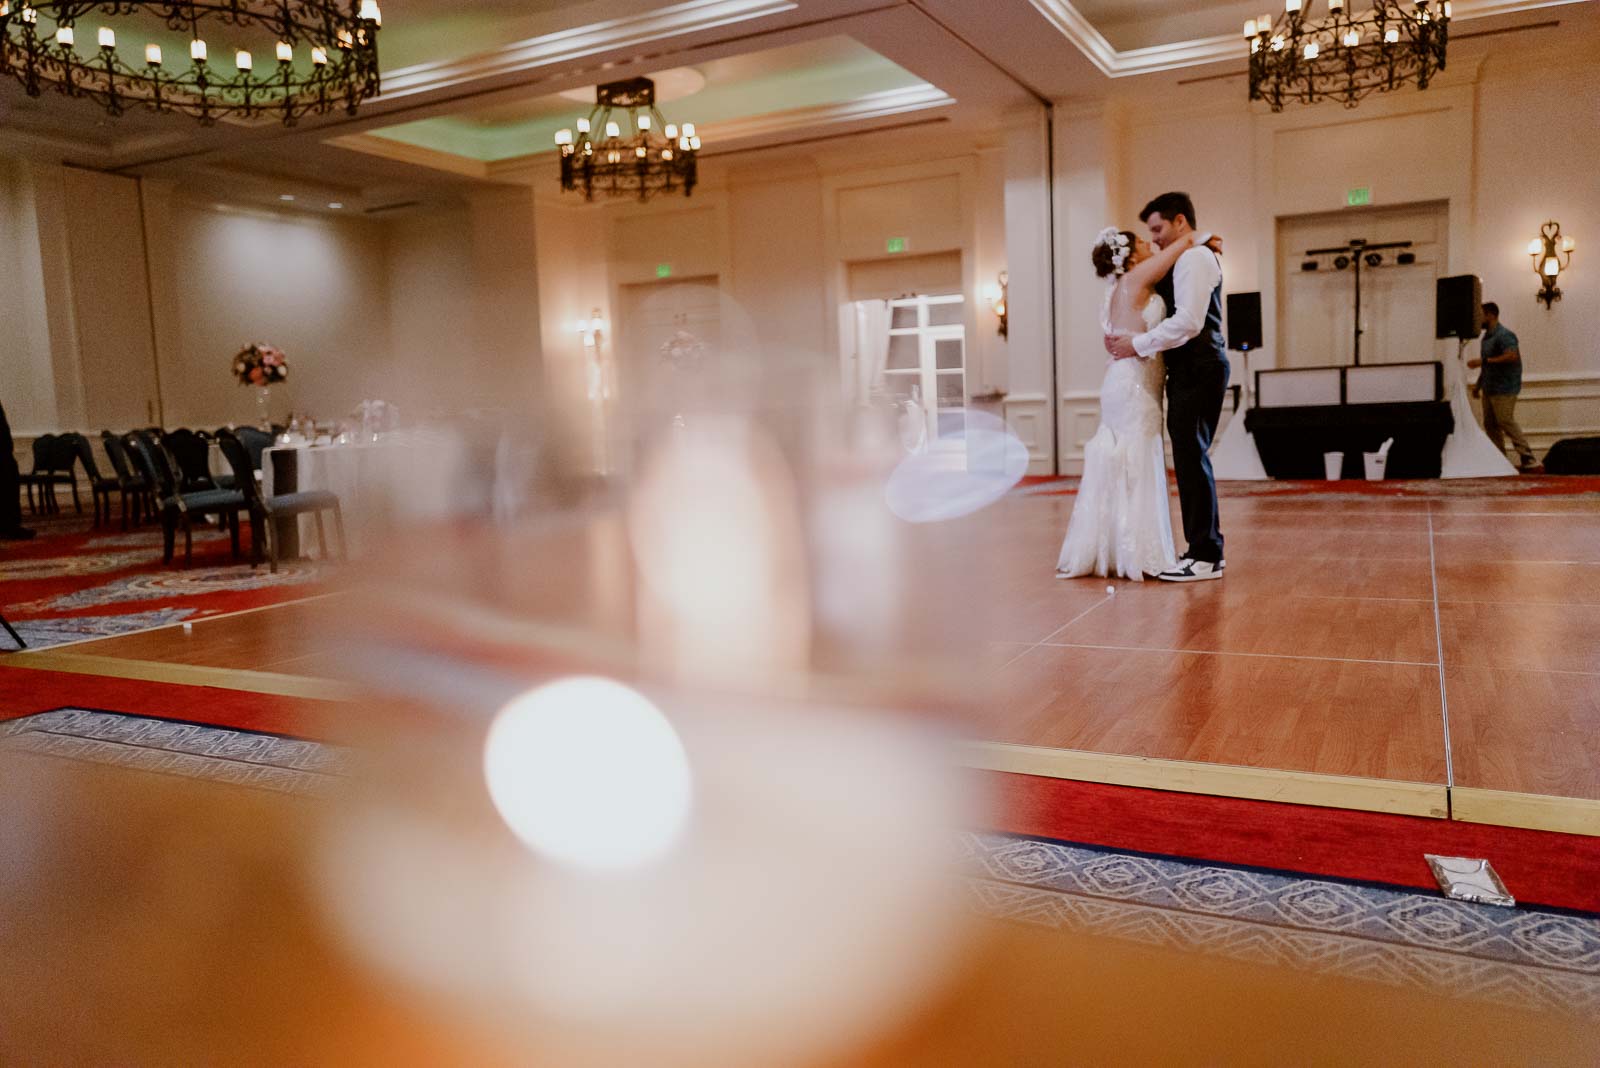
1208	344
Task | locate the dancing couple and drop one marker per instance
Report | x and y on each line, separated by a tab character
1162	320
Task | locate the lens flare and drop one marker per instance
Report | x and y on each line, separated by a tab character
587	772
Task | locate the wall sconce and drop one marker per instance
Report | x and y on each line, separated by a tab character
995	294
1551	255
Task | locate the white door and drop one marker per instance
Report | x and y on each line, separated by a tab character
669	338
927	363
1316	309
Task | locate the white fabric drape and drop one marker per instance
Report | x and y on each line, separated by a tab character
870	322
1468	452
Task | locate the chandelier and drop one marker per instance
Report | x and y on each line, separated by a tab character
1345	56
326	55
633	154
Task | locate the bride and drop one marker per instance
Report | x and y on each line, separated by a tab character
1121	523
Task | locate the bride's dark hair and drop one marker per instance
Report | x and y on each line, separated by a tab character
1102	255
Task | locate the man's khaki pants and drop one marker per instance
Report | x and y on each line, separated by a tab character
1500	422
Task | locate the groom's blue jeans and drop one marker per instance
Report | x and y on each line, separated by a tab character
1196	387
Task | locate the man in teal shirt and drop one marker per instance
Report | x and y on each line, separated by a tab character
1500	382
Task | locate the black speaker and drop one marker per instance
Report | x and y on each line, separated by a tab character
1458	307
1244	321
1573	456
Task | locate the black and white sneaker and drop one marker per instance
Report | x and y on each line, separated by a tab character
1188	570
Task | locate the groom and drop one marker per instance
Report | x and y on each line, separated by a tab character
1197	379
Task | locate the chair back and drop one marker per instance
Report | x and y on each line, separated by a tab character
50	456
84	454
244	476
192	454
117	453
153	460
255	442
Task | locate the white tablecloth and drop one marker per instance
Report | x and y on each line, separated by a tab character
377	483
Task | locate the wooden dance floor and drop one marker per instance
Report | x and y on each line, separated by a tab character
1436	655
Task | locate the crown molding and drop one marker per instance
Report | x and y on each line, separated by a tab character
871	106
565	46
1179	54
401	152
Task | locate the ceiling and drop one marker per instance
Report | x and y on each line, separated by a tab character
469	88
829	70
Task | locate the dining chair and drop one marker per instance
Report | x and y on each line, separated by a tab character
178	508
256	442
135	487
53	460
264	511
192	454
100	487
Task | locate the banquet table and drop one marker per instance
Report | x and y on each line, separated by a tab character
377	483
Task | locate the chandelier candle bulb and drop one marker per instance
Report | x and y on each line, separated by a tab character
1250	28
319	55
285	52
152	54
613	130
583	125
688	129
197	50
1568	244
564	137
1291	7
640	152
108	37
1391	36
1335	6
64	36
243	60
671	131
1352	37
644	122
1312	49
370	12
29	15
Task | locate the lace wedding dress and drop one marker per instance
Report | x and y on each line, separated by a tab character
1121	523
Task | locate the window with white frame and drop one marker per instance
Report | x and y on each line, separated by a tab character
927	359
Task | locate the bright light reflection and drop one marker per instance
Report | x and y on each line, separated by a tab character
588	772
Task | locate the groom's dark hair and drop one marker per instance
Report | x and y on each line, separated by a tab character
1169	206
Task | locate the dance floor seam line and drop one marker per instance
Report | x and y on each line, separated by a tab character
1438	637
1227	652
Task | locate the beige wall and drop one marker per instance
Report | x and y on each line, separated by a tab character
1492	141
27	368
778	236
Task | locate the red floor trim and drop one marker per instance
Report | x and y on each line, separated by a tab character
1539	867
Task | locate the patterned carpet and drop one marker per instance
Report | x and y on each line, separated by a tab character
74	583
1529	957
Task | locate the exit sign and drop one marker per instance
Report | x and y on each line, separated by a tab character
663	270
896	244
1355	198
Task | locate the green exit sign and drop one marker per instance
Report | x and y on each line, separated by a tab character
896	244
663	270
1355	198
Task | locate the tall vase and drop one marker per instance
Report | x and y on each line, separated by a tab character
263	395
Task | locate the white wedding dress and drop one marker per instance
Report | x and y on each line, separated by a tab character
1121	523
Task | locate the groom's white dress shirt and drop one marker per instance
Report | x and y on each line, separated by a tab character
1194	277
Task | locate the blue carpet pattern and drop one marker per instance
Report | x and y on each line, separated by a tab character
1522	956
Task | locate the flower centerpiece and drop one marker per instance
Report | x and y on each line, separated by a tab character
261	365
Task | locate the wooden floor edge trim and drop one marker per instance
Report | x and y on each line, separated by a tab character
32	651
1225	780
266	682
1537	812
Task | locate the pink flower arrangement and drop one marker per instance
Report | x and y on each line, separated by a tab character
260	364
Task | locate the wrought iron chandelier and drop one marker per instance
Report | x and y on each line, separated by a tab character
1346	56
326	55
633	154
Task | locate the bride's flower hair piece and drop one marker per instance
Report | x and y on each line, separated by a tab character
1111	251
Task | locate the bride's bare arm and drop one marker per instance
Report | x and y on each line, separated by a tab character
1145	274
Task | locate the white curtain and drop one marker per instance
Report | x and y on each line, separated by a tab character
867	341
